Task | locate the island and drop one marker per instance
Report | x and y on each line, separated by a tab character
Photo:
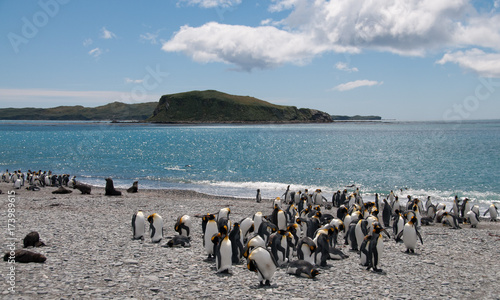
192	107
216	107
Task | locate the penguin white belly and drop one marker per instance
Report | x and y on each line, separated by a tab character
281	220
17	184
265	264
223	258
419	219
401	225
157	234
472	218
359	234
210	230
493	213
308	255
380	247
409	237
257	220
186	220
138	225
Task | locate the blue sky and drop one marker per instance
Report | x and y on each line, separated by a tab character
404	60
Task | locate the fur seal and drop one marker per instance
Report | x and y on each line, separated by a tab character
25	256
62	190
32	239
110	188
134	188
83	188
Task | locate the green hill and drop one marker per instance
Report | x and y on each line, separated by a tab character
112	111
217	107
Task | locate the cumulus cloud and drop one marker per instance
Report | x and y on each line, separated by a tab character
106	34
211	3
475	60
244	46
356	84
311	28
344	67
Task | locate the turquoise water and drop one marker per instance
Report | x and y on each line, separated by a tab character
422	158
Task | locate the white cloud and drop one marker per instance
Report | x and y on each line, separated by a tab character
106	34
87	42
475	60
356	84
211	3
247	47
409	28
344	67
96	52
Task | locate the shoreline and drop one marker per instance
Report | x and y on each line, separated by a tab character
90	254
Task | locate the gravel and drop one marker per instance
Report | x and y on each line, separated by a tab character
90	254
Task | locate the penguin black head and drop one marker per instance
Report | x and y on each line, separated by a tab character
314	273
252	266
377	228
151	218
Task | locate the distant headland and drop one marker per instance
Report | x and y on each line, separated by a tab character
189	107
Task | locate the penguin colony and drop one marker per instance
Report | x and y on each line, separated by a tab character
299	236
34	180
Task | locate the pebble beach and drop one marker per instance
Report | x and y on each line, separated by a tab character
91	254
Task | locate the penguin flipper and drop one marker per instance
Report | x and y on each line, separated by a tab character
419	236
133	223
398	237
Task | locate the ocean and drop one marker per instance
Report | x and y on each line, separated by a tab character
437	159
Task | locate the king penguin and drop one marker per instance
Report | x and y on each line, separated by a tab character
183	225
306	249
397	225
156	227
376	248
263	263
493	212
224	253
236	243
138	225
410	234
473	218
302	268
209	226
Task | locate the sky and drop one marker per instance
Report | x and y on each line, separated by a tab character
399	59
